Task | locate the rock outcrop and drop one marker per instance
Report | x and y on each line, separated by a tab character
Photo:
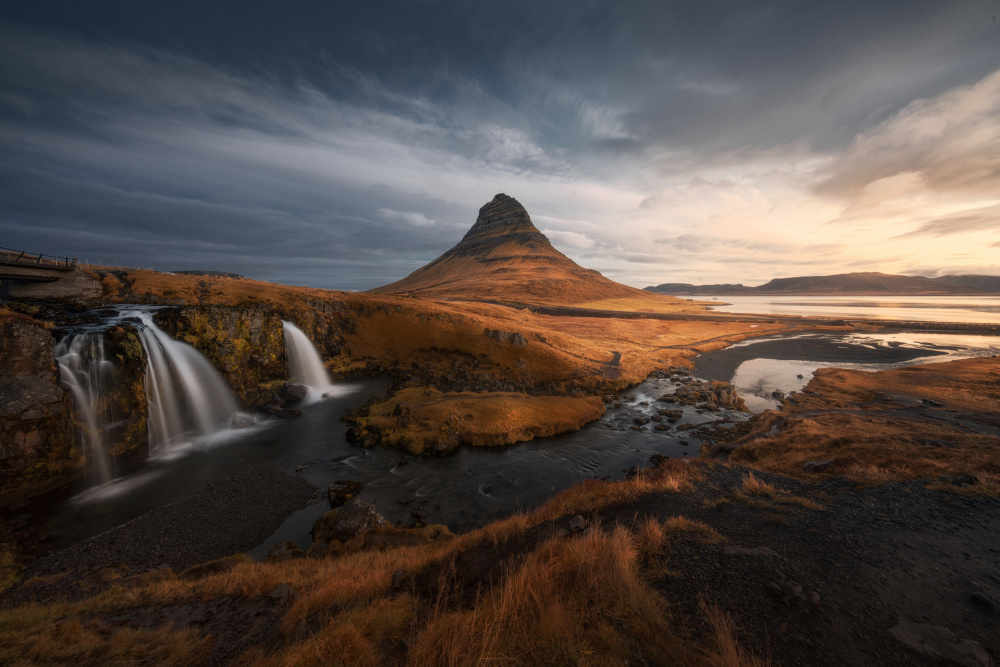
37	448
245	344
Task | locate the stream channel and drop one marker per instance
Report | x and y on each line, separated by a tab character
472	486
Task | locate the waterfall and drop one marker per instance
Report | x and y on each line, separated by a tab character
304	364
84	369
187	397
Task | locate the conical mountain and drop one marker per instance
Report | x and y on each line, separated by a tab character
504	257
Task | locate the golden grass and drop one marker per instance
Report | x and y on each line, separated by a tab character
477	419
725	650
761	495
566	603
858	421
584	599
55	635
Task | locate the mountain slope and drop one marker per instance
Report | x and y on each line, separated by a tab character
868	283
985	283
504	257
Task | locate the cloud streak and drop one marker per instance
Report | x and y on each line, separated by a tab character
660	143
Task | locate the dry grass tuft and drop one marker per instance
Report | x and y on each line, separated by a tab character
755	487
986	485
695	529
60	634
725	650
566	603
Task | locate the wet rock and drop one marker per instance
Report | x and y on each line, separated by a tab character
673	416
297	392
283	551
789	592
778	394
577	524
241	420
343	490
940	643
640	420
817	466
932	403
352	435
351	520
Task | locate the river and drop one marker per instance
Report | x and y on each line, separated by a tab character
471	486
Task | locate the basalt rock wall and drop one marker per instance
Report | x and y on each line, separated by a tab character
245	344
38	452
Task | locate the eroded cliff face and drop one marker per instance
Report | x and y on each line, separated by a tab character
124	405
245	344
38	452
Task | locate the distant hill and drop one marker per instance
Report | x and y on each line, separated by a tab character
985	283
860	284
504	257
211	274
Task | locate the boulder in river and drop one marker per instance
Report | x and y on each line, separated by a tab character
241	420
342	491
297	392
351	520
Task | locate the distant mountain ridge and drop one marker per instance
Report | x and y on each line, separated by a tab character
865	283
504	257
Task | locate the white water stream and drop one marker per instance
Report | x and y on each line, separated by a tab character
85	370
304	363
187	397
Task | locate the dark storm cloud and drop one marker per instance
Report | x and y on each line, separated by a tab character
343	144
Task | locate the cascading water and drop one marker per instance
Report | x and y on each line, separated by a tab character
187	397
85	370
304	363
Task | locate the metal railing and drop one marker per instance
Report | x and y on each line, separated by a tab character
25	258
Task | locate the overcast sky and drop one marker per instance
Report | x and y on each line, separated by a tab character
344	145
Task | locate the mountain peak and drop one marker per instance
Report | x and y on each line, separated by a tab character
503	256
502	220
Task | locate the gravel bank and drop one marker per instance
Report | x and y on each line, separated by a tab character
227	517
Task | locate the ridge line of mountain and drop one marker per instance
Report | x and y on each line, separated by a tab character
847	284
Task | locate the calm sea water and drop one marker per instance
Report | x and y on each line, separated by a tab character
981	309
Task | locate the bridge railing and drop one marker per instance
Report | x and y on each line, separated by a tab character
25	258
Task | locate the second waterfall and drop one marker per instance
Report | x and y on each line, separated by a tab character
187	397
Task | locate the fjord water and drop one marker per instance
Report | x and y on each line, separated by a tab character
964	309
